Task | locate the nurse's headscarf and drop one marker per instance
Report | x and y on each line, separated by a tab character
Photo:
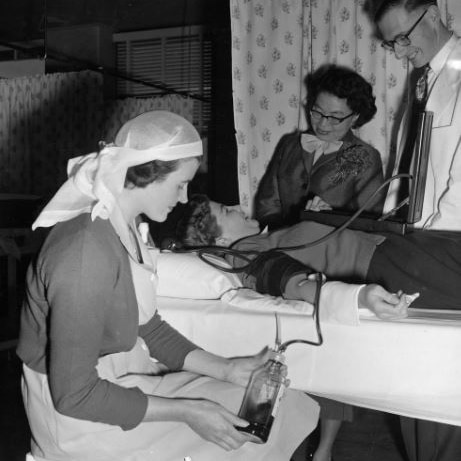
96	180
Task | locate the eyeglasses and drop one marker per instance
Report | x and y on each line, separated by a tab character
317	116
402	39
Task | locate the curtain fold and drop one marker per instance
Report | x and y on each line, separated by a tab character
276	43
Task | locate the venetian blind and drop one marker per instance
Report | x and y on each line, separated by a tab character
175	58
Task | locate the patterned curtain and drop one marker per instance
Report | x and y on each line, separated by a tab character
44	120
276	43
117	112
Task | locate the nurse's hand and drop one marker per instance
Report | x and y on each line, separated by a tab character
317	204
216	424
239	369
385	305
236	370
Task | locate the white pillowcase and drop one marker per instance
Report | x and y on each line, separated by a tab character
185	275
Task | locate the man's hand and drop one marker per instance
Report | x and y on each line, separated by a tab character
385	305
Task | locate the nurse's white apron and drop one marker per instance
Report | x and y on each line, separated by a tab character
56	437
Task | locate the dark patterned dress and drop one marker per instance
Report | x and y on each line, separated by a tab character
344	179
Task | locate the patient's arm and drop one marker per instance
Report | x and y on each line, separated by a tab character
383	304
278	274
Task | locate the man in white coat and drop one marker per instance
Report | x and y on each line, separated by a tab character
430	42
413	30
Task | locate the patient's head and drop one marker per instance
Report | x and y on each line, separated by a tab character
210	223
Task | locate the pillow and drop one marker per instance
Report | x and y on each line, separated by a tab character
185	275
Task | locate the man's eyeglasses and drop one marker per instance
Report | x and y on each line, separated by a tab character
317	116
403	39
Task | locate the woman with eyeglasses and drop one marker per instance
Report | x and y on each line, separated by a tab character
327	167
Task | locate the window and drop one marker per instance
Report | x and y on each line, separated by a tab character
175	58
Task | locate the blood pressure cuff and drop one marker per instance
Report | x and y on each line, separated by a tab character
271	270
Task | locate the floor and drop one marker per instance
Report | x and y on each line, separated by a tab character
14	438
373	436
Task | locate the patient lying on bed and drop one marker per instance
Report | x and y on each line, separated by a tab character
428	263
279	273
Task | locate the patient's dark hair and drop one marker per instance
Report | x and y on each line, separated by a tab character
379	8
344	83
197	226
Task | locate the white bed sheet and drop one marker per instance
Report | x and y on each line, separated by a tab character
409	367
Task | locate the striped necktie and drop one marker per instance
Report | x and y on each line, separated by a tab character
421	87
420	93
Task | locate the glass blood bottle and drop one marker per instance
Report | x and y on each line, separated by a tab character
262	397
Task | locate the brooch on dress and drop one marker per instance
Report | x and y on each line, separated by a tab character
351	161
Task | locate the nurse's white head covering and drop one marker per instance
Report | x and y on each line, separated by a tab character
96	180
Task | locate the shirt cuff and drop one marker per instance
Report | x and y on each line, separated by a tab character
339	303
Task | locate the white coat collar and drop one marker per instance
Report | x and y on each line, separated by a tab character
444	93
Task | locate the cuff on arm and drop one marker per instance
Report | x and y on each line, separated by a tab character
273	269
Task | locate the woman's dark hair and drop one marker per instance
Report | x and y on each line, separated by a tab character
379	8
146	173
198	226
155	170
343	83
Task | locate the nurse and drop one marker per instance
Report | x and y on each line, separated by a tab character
104	378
